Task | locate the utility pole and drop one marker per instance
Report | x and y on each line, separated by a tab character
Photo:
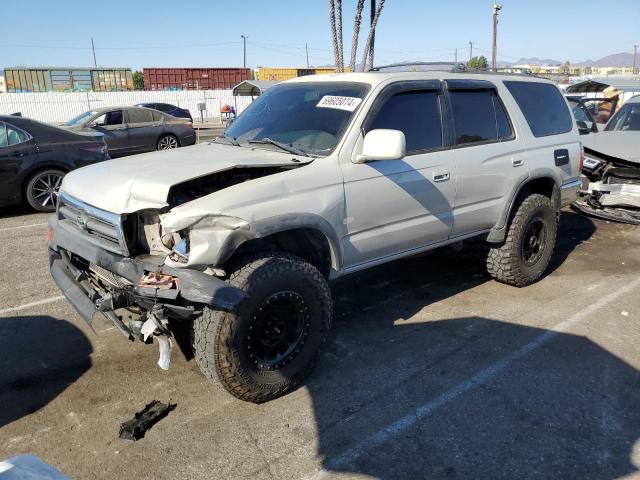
373	36
306	47
456	56
470	50
244	50
93	48
635	54
496	9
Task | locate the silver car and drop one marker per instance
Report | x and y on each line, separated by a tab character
130	130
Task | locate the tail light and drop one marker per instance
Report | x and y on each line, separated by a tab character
581	156
189	125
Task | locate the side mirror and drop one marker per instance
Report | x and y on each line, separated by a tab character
583	128
382	144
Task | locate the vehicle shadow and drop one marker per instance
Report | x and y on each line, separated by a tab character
39	357
573	230
16	211
466	397
472	397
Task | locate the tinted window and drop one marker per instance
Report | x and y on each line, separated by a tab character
543	106
416	114
627	119
164	107
473	116
139	116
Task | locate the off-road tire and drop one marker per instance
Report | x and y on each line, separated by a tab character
505	262
220	338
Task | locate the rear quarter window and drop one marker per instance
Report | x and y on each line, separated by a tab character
543	106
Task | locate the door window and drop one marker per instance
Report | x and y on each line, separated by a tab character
417	115
109	118
479	116
139	116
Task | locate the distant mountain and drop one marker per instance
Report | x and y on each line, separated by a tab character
615	60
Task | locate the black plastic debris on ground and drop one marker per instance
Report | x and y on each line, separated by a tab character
142	421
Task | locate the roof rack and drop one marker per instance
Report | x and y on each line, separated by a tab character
424	66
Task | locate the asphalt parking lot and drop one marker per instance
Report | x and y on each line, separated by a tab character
433	371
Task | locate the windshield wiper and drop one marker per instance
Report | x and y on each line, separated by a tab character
231	140
281	145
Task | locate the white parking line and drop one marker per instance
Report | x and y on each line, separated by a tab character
24	306
392	430
23	226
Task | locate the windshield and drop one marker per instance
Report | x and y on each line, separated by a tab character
627	119
80	118
308	116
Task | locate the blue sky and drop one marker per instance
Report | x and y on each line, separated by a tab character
207	33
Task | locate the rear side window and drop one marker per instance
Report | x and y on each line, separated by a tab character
479	116
139	116
417	115
543	106
11	136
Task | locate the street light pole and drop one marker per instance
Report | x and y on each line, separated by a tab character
470	50
93	48
244	50
496	8
635	54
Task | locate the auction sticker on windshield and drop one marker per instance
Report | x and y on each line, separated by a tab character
341	103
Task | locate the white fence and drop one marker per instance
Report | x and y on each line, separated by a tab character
63	106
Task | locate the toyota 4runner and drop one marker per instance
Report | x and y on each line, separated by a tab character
320	177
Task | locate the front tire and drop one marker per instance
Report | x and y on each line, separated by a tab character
42	189
270	344
525	254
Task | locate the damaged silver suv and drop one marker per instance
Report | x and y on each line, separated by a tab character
320	177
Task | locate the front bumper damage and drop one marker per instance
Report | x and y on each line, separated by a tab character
99	283
613	190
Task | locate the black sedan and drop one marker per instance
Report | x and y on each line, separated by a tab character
130	130
34	157
172	110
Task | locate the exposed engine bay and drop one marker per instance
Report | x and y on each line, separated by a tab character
199	187
613	192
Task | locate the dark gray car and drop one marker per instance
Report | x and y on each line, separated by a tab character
130	130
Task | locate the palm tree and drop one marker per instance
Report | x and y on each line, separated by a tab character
336	33
369	44
356	34
340	60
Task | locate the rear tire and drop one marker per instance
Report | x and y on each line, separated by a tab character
42	188
525	254
167	142
270	344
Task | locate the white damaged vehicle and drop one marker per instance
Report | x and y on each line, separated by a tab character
612	166
320	177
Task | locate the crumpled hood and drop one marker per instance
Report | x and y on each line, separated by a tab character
624	145
139	182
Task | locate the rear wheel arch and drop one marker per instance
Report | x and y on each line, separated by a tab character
168	134
544	185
